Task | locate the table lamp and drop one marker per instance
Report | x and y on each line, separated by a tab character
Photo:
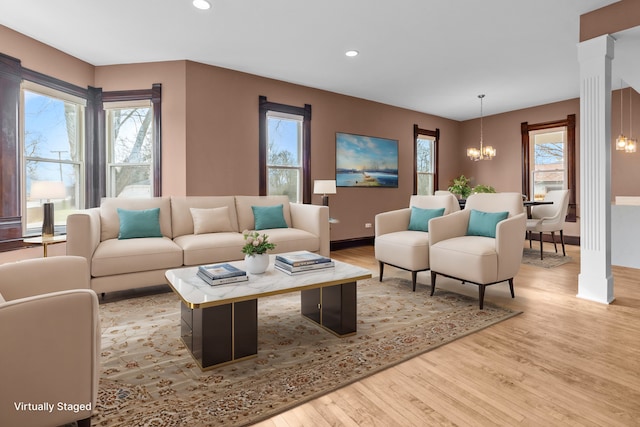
324	187
47	190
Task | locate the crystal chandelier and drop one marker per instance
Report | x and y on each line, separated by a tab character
484	153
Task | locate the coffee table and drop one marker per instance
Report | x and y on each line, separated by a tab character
219	324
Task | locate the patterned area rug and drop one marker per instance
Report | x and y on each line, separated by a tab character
148	377
550	259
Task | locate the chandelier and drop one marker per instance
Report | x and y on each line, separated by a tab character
628	145
483	153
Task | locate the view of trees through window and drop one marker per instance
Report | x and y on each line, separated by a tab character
130	152
548	167
284	156
52	151
425	164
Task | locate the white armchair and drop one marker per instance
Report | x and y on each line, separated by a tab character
549	218
50	335
479	259
397	245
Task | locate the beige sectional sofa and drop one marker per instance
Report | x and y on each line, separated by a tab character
119	264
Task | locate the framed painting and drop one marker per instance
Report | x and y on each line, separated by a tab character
366	161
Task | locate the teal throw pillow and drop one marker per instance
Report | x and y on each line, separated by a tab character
139	223
484	223
269	217
419	220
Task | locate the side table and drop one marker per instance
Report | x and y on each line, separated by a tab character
45	241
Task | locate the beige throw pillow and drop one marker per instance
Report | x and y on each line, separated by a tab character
210	220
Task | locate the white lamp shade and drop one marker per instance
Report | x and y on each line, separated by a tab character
324	186
47	190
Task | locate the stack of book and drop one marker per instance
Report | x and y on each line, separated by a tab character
302	262
221	274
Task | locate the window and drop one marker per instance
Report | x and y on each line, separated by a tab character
52	142
285	140
549	159
129	136
425	149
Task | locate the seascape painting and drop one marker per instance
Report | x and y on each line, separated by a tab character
366	161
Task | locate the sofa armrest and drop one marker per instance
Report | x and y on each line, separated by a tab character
51	350
37	276
315	220
510	236
448	226
83	233
392	221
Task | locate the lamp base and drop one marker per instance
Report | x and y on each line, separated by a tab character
325	200
47	222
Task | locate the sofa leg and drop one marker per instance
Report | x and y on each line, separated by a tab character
481	295
414	277
381	265
85	422
433	282
513	295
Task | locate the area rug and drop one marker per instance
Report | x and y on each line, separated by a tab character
148	378
550	259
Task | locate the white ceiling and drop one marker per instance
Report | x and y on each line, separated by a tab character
433	56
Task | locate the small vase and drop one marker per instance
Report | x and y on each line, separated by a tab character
256	264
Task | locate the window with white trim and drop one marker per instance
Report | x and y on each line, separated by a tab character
425	164
52	141
548	161
129	144
284	155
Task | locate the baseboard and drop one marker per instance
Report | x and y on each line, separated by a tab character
351	243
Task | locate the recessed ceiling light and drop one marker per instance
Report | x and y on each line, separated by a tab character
351	53
202	4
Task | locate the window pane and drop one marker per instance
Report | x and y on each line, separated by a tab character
425	184
284	182
130	181
424	160
52	128
131	135
50	171
548	168
284	138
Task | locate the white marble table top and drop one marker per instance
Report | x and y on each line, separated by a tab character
195	293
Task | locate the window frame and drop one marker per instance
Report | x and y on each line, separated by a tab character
570	124
435	134
264	107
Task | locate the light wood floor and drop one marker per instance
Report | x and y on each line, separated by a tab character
564	361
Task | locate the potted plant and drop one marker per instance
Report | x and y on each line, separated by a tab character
480	188
460	187
255	250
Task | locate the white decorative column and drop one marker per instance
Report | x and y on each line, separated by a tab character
595	281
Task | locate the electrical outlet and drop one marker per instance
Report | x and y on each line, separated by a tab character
367	225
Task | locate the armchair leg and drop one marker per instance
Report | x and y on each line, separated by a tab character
513	295
85	422
562	241
481	295
553	237
381	264
541	245
433	282
414	277
529	235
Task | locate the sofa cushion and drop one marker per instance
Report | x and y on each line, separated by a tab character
266	217
110	223
182	220
245	212
115	256
139	223
292	239
214	220
212	247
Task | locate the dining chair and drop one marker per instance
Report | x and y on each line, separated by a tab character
549	218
